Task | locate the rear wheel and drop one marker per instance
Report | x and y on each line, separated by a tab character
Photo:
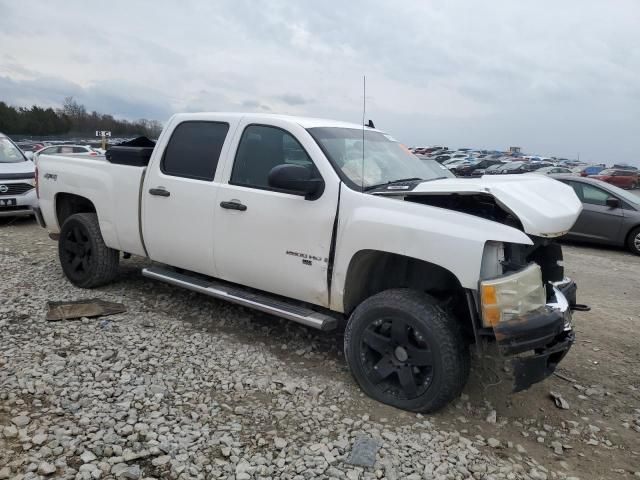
634	185
406	351
633	241
86	261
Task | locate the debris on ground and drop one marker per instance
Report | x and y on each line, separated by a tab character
559	401
93	307
364	452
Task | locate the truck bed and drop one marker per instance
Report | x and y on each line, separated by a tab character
113	189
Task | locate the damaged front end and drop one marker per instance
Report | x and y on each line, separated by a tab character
527	307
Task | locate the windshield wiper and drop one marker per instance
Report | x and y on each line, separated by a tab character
373	187
436	178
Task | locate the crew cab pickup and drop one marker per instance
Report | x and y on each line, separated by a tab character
331	224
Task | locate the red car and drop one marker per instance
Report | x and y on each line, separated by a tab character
620	178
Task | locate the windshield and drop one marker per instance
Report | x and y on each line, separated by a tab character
607	172
385	160
9	153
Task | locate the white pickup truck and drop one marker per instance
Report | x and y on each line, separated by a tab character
328	223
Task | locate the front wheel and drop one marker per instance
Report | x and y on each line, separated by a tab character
633	241
406	351
86	261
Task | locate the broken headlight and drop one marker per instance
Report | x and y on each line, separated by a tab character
511	296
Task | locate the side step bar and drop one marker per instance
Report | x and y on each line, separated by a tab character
257	301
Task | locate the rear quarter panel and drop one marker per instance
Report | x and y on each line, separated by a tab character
113	189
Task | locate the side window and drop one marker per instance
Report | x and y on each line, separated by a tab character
594	195
66	150
577	187
261	148
194	149
79	150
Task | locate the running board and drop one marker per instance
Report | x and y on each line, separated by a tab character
256	301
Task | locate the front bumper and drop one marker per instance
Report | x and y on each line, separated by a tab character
539	340
24	201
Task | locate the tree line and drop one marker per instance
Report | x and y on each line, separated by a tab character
72	118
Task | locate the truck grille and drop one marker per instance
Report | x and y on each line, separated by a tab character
10	189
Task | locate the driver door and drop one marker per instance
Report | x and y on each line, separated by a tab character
267	239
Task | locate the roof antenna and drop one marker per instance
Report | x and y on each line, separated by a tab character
364	110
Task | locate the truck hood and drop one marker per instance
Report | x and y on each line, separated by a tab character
16	168
544	206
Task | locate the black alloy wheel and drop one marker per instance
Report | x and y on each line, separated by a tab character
85	259
77	251
404	350
397	357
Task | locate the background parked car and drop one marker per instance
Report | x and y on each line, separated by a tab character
68	150
620	178
517	167
17	181
551	170
610	215
585	171
29	146
475	169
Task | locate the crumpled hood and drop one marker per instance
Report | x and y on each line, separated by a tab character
16	167
544	206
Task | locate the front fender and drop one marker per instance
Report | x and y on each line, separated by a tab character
452	240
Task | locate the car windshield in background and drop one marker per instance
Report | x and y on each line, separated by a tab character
513	166
384	160
9	153
607	172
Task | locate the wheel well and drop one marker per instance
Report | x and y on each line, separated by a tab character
68	204
628	236
372	271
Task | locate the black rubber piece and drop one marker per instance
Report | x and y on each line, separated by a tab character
631	240
86	261
449	354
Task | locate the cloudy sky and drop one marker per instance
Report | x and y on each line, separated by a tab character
557	78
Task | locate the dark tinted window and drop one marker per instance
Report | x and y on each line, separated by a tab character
194	149
261	148
79	150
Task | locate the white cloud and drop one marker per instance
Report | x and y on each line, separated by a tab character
553	77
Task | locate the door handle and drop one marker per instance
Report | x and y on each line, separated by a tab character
161	192
233	206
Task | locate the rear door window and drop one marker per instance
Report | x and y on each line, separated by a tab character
194	150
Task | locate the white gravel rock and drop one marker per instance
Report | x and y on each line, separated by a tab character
173	389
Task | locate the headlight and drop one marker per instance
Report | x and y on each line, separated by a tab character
513	295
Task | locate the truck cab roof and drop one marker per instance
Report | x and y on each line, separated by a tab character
305	122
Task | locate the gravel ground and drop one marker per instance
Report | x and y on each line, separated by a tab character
184	386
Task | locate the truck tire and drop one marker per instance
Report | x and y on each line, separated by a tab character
86	261
633	241
406	351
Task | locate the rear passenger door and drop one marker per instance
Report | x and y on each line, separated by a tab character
179	192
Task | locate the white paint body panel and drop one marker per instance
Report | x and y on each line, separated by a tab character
251	246
258	247
450	239
113	189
